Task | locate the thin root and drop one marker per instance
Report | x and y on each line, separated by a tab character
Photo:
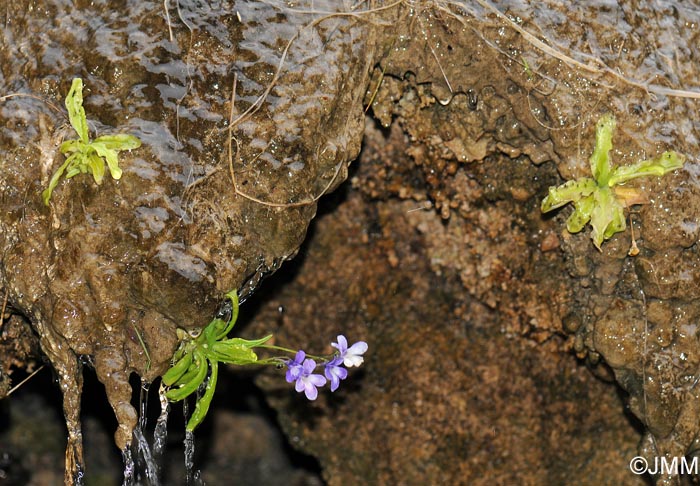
167	19
18	385
594	65
2	313
376	90
231	138
634	249
34	97
278	71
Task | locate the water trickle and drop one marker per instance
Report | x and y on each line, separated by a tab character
143	404
192	477
129	467
145	459
189	448
79	477
144	467
160	434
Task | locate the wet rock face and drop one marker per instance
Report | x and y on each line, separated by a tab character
455	270
453	389
110	271
456	93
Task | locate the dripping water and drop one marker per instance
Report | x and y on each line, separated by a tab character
143	404
193	477
79	476
189	448
141	461
129	467
160	434
147	468
146	463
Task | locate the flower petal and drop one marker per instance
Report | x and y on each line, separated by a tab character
316	380
294	367
360	347
308	366
351	361
341	345
353	357
335	383
311	392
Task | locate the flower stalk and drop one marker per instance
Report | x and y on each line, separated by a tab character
196	363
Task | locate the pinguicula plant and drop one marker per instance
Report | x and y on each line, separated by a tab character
196	362
85	155
600	200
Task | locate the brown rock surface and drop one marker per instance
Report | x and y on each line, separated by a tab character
439	258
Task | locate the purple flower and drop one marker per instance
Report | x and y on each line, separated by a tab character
307	382
334	372
294	367
351	356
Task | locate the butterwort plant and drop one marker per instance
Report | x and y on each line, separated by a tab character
600	200
84	155
195	364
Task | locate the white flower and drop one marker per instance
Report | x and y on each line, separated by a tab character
351	356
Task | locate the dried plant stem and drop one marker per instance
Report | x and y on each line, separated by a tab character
327	15
594	65
2	313
34	97
232	172
18	385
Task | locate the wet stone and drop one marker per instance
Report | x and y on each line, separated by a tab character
112	270
437	258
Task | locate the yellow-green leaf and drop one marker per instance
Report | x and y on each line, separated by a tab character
600	161
658	166
607	217
581	214
76	112
570	191
110	155
97	167
118	142
598	200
